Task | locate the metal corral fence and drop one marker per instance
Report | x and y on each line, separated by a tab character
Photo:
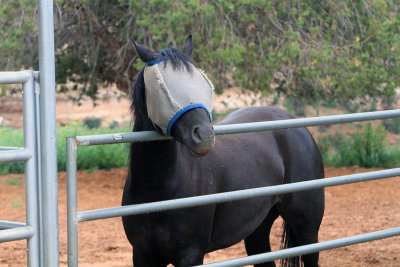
74	217
11	231
39	151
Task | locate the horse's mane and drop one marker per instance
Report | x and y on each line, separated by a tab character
137	94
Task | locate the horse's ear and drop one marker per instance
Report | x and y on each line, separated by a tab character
145	54
188	49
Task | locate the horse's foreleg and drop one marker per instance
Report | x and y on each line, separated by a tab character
258	241
142	259
189	257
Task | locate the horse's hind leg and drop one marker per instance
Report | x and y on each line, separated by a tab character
258	241
303	212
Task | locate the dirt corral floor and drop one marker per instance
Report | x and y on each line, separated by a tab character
350	209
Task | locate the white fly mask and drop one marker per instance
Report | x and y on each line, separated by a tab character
171	92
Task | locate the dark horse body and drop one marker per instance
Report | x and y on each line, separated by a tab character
164	170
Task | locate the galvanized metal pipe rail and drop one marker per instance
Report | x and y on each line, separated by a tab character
31	170
14	77
9	225
130	137
48	136
14	154
306	249
232	196
13	234
28	154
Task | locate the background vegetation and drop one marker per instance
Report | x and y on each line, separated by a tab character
367	147
90	158
303	49
321	53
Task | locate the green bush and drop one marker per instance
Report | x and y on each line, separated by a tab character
329	103
90	158
12	138
113	125
392	125
367	148
364	149
295	106
92	122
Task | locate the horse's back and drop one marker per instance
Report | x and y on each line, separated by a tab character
296	146
254	114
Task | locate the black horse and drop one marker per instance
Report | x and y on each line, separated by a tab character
163	170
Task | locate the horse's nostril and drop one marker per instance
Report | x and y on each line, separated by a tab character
196	135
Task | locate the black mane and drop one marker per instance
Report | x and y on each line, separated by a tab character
137	93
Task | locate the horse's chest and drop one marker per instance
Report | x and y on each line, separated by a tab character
151	230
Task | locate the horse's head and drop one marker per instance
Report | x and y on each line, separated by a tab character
178	97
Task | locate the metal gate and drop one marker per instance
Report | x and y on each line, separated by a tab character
39	151
11	231
74	217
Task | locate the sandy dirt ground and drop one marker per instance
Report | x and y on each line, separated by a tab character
350	209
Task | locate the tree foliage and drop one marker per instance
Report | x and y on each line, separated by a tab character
308	49
18	31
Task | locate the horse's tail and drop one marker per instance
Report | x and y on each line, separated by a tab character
289	241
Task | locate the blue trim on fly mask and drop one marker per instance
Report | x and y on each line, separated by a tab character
182	111
154	62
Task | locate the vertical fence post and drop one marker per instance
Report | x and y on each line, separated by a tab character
31	181
72	203
38	147
49	183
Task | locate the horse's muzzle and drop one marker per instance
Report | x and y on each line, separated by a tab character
202	140
194	130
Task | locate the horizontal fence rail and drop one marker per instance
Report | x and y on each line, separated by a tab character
14	154
233	195
9	225
74	217
307	249
130	137
18	233
15	77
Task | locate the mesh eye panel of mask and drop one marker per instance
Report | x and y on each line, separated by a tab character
171	92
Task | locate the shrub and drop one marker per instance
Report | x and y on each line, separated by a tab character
295	106
12	138
367	148
364	149
392	125
329	103
91	158
92	122
113	125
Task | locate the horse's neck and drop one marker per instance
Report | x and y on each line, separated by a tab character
152	163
